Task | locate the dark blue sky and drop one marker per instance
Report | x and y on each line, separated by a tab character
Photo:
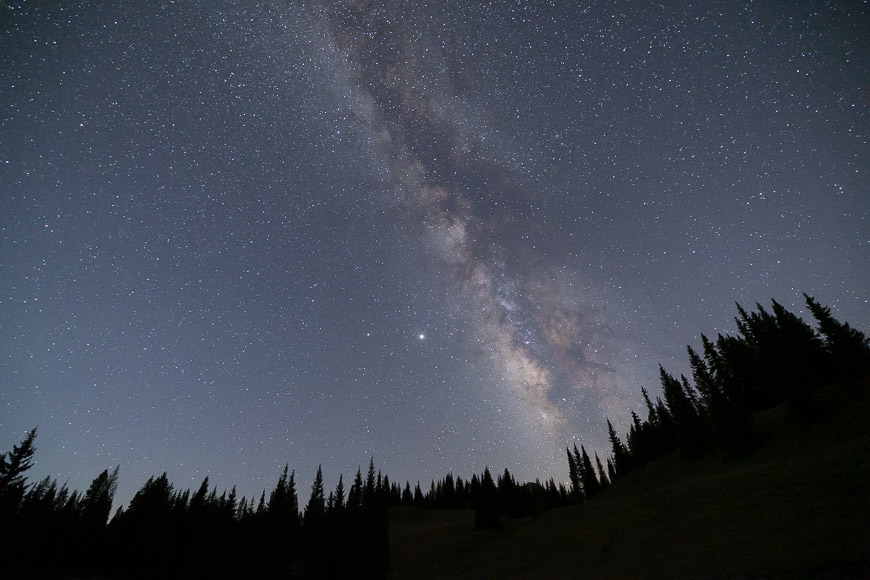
239	235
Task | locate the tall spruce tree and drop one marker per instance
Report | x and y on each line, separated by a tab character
849	348
620	461
316	507
689	425
574	467
602	474
13	465
591	485
97	502
487	514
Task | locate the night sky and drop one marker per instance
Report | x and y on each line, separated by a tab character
239	235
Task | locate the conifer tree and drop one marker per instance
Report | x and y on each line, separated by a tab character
487	514
316	507
620	462
689	425
338	496
591	485
354	496
448	491
419	500
849	348
97	502
283	501
574	475
13	465
371	484
602	475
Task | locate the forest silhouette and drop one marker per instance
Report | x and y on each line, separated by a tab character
47	530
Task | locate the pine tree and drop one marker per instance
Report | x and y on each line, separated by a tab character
704	379
13	465
371	485
849	348
283	501
591	485
354	496
487	515
689	425
316	507
97	502
621	458
448	491
602	475
419	500
338	496
574	476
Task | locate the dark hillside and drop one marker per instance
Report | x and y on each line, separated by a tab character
797	507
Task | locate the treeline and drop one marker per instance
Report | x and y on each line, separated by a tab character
490	498
775	358
47	530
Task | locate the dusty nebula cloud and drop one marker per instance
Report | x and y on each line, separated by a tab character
547	349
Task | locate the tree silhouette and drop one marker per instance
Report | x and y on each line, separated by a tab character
849	348
621	458
487	513
97	502
591	485
689	424
315	510
574	467
13	465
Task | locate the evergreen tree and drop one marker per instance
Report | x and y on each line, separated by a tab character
354	496
848	347
371	485
283	502
574	468
704	379
507	492
621	459
97	502
591	485
279	527
316	507
461	493
689	425
448	491
338	496
13	465
487	514
732	429
602	475
419	500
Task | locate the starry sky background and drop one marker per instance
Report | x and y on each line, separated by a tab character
235	235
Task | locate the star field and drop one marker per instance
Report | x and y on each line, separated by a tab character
237	235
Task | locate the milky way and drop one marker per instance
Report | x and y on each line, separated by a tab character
448	236
528	333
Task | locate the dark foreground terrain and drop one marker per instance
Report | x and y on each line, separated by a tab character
799	507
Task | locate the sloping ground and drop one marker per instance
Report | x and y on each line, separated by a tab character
798	507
